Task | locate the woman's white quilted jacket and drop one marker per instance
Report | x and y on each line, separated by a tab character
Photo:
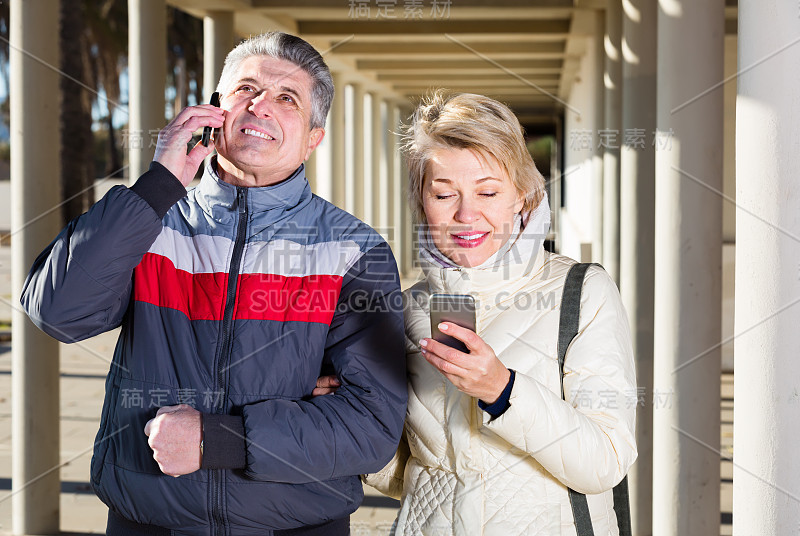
458	472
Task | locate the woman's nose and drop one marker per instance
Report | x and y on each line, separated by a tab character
466	212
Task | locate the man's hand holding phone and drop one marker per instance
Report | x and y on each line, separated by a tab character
478	374
172	140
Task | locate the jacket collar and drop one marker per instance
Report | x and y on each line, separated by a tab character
218	198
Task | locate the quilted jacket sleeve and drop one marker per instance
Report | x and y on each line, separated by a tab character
357	429
588	442
80	285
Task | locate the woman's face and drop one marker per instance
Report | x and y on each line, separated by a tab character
470	203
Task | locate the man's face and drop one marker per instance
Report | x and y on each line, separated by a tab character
266	134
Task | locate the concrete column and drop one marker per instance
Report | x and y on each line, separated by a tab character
392	173
688	269
637	223
147	77
35	411
612	81
358	151
337	135
597	157
378	173
217	42
766	415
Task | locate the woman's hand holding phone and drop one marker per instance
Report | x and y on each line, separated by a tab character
478	374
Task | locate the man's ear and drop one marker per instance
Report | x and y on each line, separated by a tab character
314	140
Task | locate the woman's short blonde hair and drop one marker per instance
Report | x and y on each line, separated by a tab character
468	121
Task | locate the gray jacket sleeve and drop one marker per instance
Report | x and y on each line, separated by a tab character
80	285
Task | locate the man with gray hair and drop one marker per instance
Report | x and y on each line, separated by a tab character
233	298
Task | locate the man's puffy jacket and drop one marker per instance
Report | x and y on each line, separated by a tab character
232	300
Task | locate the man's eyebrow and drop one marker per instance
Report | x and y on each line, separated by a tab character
287	89
248	80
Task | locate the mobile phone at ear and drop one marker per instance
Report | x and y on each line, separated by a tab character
456	308
208	130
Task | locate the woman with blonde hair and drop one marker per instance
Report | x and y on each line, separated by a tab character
490	446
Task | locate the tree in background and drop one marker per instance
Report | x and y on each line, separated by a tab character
108	26
184	59
94	40
76	110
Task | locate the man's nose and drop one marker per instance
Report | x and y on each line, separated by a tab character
261	105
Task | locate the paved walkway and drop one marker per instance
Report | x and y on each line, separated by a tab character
83	369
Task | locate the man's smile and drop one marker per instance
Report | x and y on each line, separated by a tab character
257	133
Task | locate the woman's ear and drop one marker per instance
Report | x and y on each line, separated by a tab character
520	202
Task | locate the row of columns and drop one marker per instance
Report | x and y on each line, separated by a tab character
667	256
357	167
664	75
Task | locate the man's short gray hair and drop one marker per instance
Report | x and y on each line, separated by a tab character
290	48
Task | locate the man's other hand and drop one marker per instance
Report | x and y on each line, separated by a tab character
326	385
174	435
173	138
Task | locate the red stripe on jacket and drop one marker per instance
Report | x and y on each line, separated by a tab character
311	298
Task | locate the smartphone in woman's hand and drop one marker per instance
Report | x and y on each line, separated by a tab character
456	308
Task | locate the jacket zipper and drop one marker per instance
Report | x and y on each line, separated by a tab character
217	508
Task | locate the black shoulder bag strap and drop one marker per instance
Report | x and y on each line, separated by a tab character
568	328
